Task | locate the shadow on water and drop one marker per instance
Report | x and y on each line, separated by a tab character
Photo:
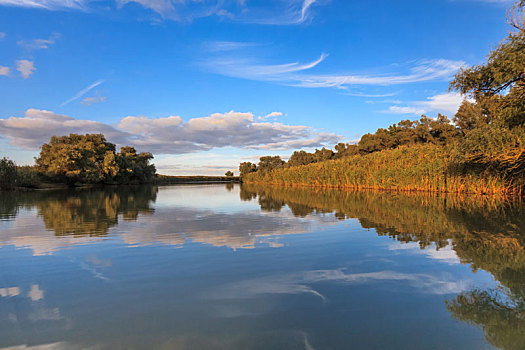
485	233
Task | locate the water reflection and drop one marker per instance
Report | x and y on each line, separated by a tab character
483	232
476	232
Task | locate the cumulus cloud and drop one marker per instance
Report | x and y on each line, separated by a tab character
168	135
273	115
4	70
36	44
447	103
37	126
25	67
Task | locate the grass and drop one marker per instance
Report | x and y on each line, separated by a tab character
427	168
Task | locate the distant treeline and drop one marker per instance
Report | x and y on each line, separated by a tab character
79	159
168	180
482	150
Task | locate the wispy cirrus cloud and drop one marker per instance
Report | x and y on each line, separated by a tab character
270	12
82	92
297	74
168	135
37	44
91	100
47	4
223	46
4	70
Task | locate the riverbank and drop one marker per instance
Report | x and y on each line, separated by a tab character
37	184
197	179
418	168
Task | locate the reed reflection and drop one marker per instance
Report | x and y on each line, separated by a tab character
485	233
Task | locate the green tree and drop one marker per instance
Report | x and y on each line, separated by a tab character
469	116
246	168
301	158
229	173
269	163
323	154
133	167
81	158
91	159
8	174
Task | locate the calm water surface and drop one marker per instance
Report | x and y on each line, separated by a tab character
225	267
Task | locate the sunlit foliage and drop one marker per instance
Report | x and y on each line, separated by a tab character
91	159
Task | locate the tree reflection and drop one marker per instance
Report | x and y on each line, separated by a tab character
500	314
85	211
486	233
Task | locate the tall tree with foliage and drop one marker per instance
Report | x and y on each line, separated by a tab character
78	158
494	124
91	159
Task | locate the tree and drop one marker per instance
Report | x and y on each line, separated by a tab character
8	174
323	154
345	150
498	85
494	124
269	163
229	174
83	158
469	116
91	159
301	158
133	167
246	168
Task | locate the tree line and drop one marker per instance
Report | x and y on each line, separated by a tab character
486	135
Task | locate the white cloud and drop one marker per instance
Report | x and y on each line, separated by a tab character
2	35
37	126
405	110
89	101
36	44
4	70
273	115
447	103
295	74
47	4
221	46
82	92
269	12
25	67
168	135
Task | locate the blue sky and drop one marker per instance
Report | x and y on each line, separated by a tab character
206	84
